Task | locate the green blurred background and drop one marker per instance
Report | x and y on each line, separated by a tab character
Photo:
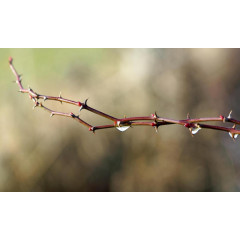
39	153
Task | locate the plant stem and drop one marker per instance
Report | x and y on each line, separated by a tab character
152	120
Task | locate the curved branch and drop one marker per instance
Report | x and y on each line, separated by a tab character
193	124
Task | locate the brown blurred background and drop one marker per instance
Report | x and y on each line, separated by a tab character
39	153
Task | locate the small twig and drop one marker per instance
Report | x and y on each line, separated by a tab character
193	124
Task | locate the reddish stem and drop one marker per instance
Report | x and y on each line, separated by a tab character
153	120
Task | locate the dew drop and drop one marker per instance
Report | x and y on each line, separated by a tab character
195	130
233	135
123	128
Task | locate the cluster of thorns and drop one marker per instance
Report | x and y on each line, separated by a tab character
122	124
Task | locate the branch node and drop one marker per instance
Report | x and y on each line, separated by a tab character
155	116
92	129
36	104
223	118
155	125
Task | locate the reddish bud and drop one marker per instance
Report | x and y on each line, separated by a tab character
222	117
30	96
187	125
79	104
72	114
10	60
154	124
90	129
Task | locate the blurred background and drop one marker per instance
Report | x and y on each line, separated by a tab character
39	153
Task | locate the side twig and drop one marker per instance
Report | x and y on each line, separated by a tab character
122	124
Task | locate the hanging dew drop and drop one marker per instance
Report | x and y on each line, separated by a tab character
122	129
233	135
195	130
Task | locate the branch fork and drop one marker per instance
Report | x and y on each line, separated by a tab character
193	124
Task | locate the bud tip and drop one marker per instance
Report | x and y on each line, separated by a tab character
10	59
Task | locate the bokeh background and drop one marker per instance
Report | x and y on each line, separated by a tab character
39	153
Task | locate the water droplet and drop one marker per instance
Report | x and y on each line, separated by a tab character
123	128
195	130
233	135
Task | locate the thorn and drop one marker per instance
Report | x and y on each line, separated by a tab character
231	135
44	98
229	115
29	89
52	114
154	124
85	103
36	105
81	108
60	96
155	116
190	129
234	126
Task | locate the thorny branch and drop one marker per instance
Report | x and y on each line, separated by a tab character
122	124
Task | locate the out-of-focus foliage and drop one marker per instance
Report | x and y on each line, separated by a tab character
39	153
